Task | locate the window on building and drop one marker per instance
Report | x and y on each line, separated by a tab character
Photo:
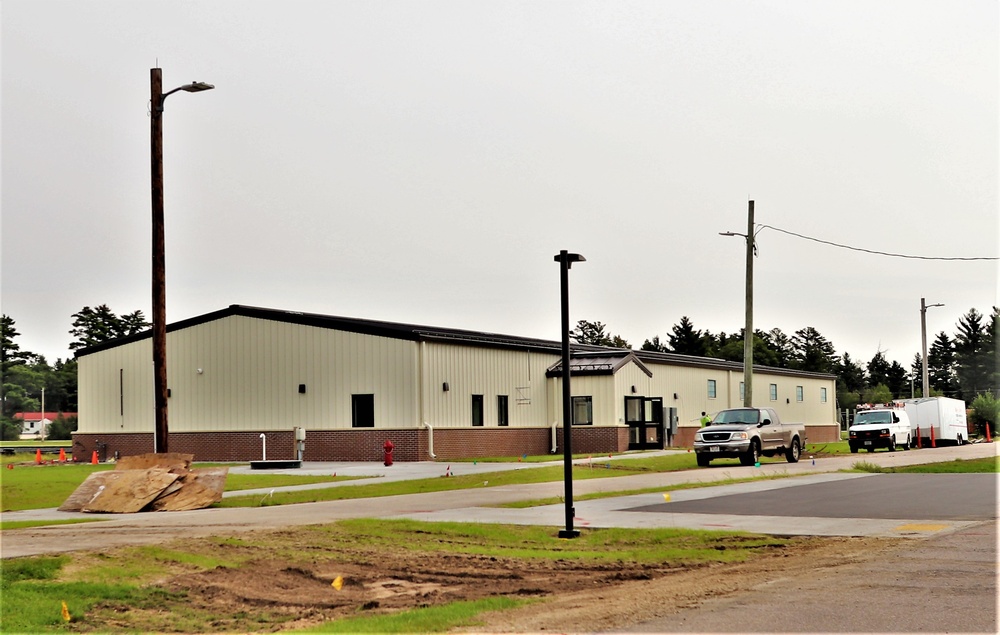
502	412
743	392
822	395
774	392
583	411
363	411
798	393
711	389
477	410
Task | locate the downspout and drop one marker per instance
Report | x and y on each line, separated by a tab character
555	436
430	440
423	400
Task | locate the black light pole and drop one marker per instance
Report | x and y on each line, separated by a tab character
566	261
156	99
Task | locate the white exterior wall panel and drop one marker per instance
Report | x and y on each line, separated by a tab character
473	370
250	373
115	389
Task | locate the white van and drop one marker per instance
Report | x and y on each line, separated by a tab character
879	426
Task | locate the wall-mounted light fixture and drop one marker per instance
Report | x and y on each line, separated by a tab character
302	389
201	370
445	387
788	400
633	390
675	396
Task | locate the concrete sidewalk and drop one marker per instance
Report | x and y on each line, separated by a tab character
479	504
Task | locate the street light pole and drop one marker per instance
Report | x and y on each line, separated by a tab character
925	385
748	327
748	332
566	261
156	99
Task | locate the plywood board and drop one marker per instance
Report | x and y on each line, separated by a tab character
198	489
90	488
130	491
166	460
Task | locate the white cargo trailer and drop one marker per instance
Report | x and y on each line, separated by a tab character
944	415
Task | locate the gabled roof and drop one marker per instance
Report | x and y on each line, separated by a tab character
394	330
598	363
418	333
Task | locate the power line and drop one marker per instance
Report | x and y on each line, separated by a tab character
868	251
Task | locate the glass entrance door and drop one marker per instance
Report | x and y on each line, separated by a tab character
644	416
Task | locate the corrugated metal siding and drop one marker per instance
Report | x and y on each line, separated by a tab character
483	371
249	380
116	389
691	386
251	369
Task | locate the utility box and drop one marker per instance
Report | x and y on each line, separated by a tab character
300	442
671	421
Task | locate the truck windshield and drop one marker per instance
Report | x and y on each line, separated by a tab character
878	416
736	416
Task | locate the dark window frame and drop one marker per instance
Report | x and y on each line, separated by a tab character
583	399
503	411
363	410
477	411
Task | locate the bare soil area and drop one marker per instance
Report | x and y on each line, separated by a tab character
282	580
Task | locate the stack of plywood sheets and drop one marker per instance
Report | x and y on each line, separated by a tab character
149	482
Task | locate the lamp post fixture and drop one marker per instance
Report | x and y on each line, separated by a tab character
157	97
748	328
925	387
566	261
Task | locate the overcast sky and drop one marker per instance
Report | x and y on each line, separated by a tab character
423	161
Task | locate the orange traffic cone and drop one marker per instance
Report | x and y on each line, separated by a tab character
62	455
93	458
38	456
989	439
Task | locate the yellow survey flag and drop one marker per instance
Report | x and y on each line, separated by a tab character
338	583
65	612
666	498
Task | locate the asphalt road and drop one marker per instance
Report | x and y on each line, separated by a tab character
945	584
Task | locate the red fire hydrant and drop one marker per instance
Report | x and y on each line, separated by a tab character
387	448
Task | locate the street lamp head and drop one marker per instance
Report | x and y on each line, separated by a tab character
197	87
568	258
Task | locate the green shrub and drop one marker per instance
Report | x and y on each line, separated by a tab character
985	408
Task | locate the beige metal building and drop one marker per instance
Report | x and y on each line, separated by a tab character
319	387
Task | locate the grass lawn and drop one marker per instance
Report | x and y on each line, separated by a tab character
30	486
128	589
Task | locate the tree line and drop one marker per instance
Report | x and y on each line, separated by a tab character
25	374
962	365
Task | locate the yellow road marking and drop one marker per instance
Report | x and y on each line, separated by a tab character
921	527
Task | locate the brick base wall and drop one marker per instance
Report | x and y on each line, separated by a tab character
356	445
595	440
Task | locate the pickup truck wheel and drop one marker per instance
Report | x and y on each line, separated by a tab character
907	446
854	449
752	455
892	444
703	460
794	451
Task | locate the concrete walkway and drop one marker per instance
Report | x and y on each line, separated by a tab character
478	504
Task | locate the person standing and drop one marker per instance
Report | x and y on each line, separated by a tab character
705	420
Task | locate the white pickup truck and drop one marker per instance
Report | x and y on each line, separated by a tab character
746	434
881	426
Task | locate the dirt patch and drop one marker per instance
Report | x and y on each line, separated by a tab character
295	590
